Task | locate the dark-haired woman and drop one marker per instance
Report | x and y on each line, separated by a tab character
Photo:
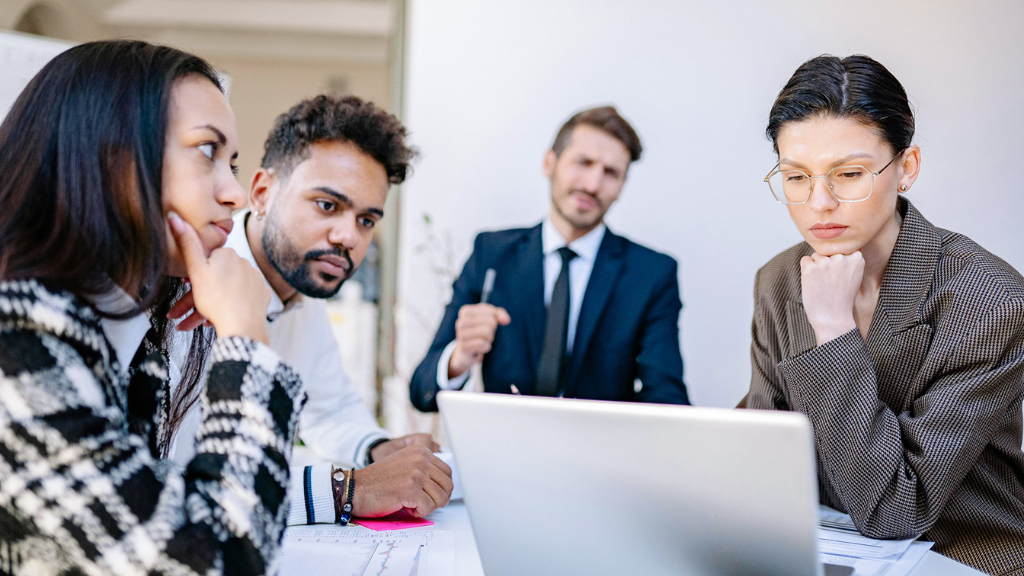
903	343
118	182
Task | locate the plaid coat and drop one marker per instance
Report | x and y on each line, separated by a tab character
81	491
917	428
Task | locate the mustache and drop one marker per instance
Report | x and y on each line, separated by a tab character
315	254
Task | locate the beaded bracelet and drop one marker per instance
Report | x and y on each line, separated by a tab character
344	490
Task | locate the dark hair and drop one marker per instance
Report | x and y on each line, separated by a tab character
343	119
855	87
607	119
81	153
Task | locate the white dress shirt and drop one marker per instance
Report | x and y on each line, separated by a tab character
334	423
124	335
580	267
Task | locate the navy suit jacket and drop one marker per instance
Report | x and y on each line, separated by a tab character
628	326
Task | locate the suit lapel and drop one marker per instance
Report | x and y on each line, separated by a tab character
898	340
603	277
908	277
529	275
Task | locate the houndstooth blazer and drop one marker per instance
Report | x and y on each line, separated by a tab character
917	428
81	491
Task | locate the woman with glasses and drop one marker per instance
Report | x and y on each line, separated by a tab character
901	342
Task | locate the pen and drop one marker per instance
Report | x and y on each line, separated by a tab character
485	294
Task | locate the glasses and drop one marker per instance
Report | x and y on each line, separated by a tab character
844	183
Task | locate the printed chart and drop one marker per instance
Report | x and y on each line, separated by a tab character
311	551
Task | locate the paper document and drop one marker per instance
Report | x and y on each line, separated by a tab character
840	543
899	566
846	544
343	551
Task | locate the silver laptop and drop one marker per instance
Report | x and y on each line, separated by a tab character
565	487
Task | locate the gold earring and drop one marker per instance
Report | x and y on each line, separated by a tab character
903	188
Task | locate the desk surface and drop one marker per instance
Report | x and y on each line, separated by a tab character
455	518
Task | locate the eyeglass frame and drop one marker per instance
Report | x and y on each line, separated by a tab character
810	186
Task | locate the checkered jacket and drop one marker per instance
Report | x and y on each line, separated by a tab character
917	428
81	491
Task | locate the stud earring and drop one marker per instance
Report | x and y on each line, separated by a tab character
259	215
903	188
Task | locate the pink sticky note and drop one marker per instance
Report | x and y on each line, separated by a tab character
397	521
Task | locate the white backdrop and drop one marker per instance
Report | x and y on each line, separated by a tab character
21	56
488	83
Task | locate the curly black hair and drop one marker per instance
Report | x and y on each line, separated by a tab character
345	119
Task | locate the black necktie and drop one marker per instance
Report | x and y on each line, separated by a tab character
551	368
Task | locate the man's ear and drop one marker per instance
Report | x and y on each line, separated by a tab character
259	189
550	159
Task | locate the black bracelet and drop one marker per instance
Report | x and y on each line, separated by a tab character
338	490
346	510
369	449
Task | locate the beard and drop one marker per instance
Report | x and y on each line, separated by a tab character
587	221
295	267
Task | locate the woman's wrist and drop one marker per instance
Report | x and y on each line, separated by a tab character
826	331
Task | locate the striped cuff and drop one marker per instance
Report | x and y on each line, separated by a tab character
311	500
362	455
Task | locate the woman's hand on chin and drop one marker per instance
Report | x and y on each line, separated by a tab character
829	289
226	290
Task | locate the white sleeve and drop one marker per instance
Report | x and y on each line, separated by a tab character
334	424
443	381
310	495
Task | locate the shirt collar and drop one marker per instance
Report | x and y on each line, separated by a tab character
124	335
585	247
239	242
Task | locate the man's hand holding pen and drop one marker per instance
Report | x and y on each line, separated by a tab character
474	334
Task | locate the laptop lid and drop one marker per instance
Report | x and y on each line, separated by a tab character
556	486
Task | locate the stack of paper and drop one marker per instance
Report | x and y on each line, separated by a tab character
840	543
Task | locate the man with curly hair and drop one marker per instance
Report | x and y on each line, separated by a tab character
314	203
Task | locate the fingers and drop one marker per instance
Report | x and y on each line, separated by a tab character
420	439
438	496
195	320
436	485
503	317
188	242
182	306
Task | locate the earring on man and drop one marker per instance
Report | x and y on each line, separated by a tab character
259	215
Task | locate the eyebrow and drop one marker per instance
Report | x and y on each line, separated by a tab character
344	199
840	162
220	135
221	138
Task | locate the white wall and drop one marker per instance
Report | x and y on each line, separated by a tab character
488	84
21	56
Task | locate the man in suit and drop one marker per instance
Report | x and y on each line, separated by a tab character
576	311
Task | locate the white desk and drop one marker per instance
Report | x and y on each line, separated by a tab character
455	517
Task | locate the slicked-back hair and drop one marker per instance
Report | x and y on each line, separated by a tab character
856	87
81	154
606	119
338	119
